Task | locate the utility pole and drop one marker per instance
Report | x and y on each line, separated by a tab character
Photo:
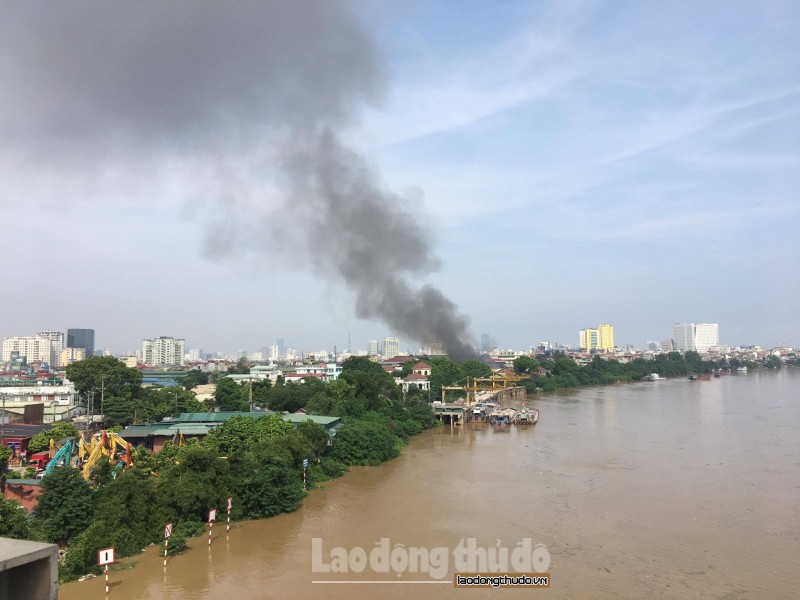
3	424
102	397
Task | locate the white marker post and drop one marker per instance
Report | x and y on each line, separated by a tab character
212	516
230	505
167	534
305	466
105	557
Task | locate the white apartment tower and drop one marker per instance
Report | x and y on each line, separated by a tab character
163	352
373	348
391	347
45	346
697	337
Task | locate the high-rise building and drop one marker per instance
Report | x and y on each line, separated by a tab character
281	347
606	341
372	348
45	347
67	356
195	354
163	351
391	347
81	338
600	338
589	339
486	343
434	349
698	337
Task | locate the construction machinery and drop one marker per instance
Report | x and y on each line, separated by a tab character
61	456
108	444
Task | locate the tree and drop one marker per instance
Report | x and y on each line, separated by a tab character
265	482
525	365
194	378
772	362
5	454
59	431
106	373
65	505
372	383
364	443
443	372
240	433
14	520
230	396
476	368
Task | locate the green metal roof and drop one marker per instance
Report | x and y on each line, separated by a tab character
218	417
326	422
23	482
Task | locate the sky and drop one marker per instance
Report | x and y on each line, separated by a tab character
546	166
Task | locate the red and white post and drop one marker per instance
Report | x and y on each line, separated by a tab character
105	557
230	505
212	516
167	534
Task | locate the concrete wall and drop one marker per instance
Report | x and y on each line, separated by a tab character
28	570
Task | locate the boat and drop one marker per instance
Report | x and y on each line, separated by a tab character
692	378
704	377
742	369
527	416
652	377
503	416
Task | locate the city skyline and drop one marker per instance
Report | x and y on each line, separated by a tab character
631	164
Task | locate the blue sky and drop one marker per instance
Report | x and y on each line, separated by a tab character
636	163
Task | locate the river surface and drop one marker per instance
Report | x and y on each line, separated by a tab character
669	489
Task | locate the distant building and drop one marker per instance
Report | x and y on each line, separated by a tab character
434	349
486	343
81	338
281	347
667	346
70	355
697	337
601	338
391	347
44	347
163	352
195	354
372	348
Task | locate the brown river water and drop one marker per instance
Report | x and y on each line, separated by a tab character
669	489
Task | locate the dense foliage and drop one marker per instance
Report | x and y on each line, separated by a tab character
59	431
256	460
563	372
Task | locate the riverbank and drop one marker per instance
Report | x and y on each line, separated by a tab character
674	490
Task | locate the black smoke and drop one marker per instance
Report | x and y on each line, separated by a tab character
261	93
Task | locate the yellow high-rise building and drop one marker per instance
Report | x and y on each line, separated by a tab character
606	335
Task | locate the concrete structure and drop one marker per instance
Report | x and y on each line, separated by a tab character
600	338
44	347
697	337
606	332
163	351
61	391
81	338
67	356
28	570
391	347
589	339
372	348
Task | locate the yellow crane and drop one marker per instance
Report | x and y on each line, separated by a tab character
473	385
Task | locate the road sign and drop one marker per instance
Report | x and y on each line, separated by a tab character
105	556
212	515
167	531
305	463
230	503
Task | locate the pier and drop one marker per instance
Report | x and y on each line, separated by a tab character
457	413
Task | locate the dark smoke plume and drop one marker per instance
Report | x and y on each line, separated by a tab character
259	93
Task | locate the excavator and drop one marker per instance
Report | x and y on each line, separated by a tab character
105	443
59	455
